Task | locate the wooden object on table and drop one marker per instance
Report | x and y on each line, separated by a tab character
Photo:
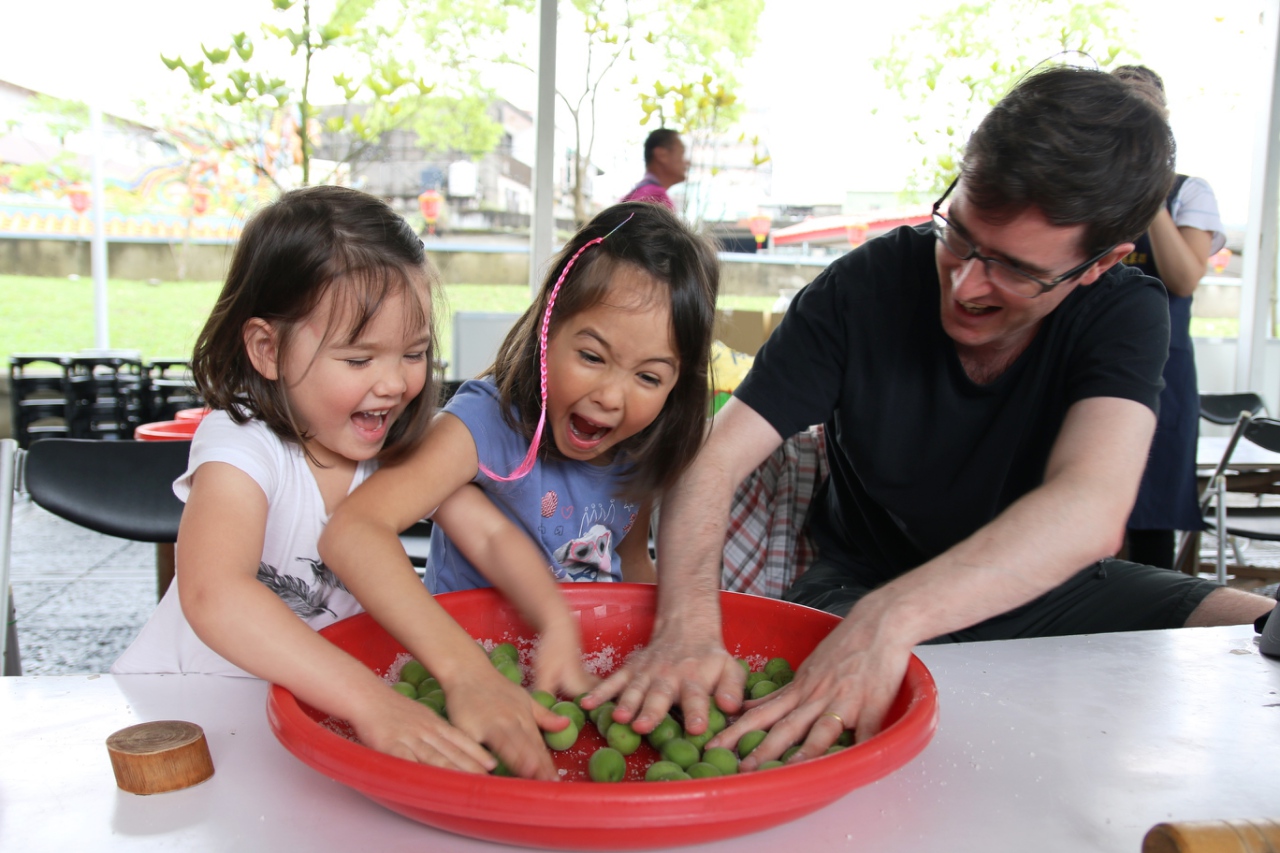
1214	836
165	755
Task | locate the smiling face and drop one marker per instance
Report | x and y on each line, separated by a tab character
610	368
990	325
346	394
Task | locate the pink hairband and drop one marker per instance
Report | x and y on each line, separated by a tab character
527	465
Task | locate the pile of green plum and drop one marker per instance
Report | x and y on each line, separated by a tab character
679	753
417	683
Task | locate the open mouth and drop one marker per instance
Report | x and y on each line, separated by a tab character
370	422
587	432
975	310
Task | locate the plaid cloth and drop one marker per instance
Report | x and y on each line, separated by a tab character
767	545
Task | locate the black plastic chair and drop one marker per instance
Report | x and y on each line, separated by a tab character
1260	522
1224	409
120	488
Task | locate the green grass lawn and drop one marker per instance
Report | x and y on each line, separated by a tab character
162	320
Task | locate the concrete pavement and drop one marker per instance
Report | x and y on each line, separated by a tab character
80	597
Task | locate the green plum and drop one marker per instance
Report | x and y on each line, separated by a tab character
572	711
663	732
623	738
413	672
660	771
563	739
750	741
704	770
607	765
510	670
681	752
762	689
722	759
505	650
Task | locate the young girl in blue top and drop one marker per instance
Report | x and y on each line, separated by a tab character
596	403
316	363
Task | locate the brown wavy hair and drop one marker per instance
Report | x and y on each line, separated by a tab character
291	254
1082	147
657	243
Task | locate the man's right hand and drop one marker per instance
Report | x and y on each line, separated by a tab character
849	680
682	665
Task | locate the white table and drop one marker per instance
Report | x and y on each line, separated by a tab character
1246	456
1058	744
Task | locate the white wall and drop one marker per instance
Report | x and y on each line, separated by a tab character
1216	366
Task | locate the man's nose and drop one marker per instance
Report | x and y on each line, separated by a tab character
971	280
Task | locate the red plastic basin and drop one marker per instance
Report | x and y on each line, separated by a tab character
196	414
573	815
166	431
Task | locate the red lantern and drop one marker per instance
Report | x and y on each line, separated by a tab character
200	200
1219	260
857	234
429	204
759	225
78	194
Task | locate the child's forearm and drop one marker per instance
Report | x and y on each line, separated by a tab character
371	562
505	555
251	627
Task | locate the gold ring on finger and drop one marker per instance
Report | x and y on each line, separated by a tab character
837	717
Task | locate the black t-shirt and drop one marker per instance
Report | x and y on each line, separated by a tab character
921	456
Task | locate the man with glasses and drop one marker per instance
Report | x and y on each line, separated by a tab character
988	384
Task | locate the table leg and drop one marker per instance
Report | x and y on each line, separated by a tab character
1188	558
164	567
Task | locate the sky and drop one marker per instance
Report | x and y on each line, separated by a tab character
810	86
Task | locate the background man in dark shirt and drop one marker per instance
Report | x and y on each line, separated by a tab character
988	385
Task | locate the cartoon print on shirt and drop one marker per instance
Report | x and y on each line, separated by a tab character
306	600
587	558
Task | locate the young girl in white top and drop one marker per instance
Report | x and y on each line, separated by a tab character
595	405
315	360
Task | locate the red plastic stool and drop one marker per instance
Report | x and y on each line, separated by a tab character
166	431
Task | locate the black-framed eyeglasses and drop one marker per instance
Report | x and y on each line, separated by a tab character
1001	273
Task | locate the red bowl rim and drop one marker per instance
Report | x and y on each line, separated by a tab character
470	796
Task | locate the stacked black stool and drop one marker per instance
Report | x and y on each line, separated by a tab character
43	403
170	388
109	386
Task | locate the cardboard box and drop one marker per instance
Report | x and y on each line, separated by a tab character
745	331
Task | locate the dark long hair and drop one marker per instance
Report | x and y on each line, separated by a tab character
290	255
685	264
1079	145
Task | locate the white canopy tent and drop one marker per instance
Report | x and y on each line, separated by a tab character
1257	303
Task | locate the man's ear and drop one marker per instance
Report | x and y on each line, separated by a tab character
1106	262
263	346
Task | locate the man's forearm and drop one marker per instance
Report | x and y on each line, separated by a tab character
1077	516
695	515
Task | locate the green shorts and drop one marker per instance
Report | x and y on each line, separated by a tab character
1110	595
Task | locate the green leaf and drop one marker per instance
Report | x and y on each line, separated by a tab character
244	47
283	5
171	64
215	57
